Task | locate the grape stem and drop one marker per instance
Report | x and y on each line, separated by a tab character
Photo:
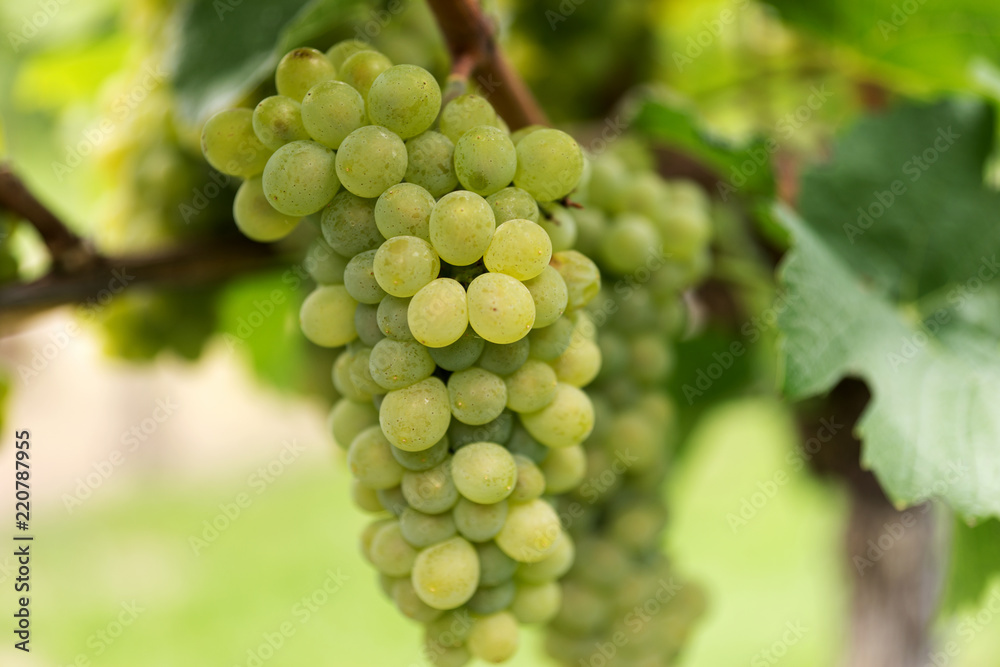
470	37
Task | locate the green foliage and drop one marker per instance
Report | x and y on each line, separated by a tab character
975	562
890	280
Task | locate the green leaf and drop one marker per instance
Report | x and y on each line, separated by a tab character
975	561
906	299
744	169
919	43
229	47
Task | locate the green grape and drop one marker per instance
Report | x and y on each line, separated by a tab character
651	360
504	359
404	210
521	443
425	459
360	372
370	160
410	604
591	226
327	316
431	491
366	324
422	530
531	531
391	316
549	164
450	630
500	308
416	417
371	462
343	380
564	422
608	183
277	120
300	70
491	599
530	480
584	611
300	178
391	553
368	535
580	363
495	567
359	278
349	418
494	638
560	226
583	279
438	314
464	113
362	68
324	265
477	522
446	575
513	204
550	296
631	244
230	145
365	498
498	430
531	387
461	354
255	216
476	396
332	110
548	343
430	163
519	248
564	469
536	603
485	160
484	472
341	51
685	231
461	227
404	98
523	132
398	364
607	565
404	264
553	566
348	224
450	657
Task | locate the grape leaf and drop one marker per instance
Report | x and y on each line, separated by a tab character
975	561
228	47
893	278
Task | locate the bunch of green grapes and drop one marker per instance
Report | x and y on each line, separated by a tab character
622	602
458	303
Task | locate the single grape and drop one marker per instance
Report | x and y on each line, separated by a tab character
564	422
301	69
231	146
430	163
438	314
324	265
341	51
327	317
530	480
391	553
513	204
504	359
416	417
366	324
484	472
550	296
343	381
332	110
431	491
461	354
582	277
477	396
548	343
425	459
536	603
491	599
422	530
495	567
362	68
348	224
404	210
564	469
519	248
500	307
360	372
370	460
404	98
392	316
631	244
553	566
531	532
485	160
349	418
398	364
461	227
479	523
404	264
523	132
370	160
446	575
300	178
531	387
410	604
580	363
560	226
549	164
359	278
494	638
464	113
255	216
277	120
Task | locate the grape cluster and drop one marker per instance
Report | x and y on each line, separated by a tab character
445	272
622	602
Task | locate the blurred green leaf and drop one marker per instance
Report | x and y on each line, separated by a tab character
975	561
889	280
228	47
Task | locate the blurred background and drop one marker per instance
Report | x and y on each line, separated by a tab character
188	500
